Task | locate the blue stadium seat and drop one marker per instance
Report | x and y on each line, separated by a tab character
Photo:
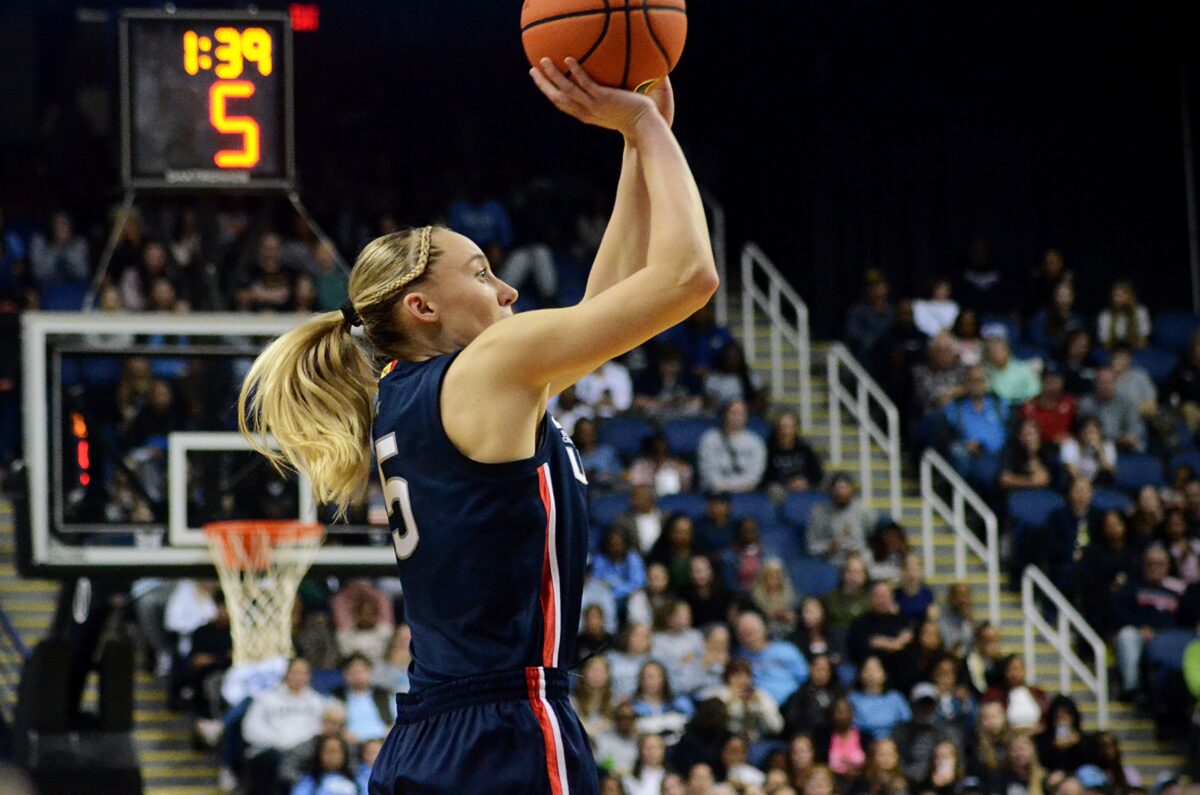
1173	330
1027	352
752	504
606	508
63	297
625	435
798	507
1106	500
688	503
783	542
814	576
683	436
1135	470
1190	459
1157	363
1031	507
760	426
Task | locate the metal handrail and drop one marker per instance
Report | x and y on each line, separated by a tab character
791	332
1060	638
717	232
866	398
12	669
954	515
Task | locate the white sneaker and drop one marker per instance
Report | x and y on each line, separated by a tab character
210	731
226	780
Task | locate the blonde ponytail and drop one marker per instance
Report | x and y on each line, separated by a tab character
313	389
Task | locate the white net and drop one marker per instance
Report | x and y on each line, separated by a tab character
260	565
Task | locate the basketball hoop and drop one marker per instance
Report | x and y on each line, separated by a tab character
261	563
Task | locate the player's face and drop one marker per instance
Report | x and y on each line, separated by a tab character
466	294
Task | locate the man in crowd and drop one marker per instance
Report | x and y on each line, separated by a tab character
939	380
1008	378
1118	415
883	632
778	667
278	721
840	527
1069	529
370	711
1143	608
1054	409
977	427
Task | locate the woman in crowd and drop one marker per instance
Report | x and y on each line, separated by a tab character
1025	705
658	710
650	769
1087	454
929	648
883	774
674	549
739	773
1106	755
731	379
1022	773
792	464
1147	517
592	697
1077	362
913	596
955	705
600	461
1026	462
1107	564
821	781
1183	548
706	592
946	773
626	661
1124	321
1061	747
774	595
594	637
846	602
991	742
392	672
807	710
812	635
717	642
679	647
331	773
1049	328
752	712
620	567
743	562
644	604
968	343
843	743
801	759
659	469
877	709
957	620
888	550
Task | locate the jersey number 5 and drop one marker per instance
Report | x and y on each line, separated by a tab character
395	492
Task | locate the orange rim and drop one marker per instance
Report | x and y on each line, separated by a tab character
247	543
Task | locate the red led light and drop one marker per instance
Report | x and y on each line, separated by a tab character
305	16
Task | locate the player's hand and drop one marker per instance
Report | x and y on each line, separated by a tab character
664	97
590	102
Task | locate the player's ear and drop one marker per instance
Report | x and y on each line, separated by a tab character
417	305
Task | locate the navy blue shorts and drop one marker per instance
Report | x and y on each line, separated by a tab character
508	733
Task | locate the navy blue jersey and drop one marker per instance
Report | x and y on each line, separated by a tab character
491	556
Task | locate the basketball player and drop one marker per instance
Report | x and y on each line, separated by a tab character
485	492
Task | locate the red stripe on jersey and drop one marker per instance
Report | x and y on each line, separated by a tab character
547	599
537	702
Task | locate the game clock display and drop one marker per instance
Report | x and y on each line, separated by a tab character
206	100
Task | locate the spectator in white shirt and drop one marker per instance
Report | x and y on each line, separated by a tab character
732	459
608	390
937	313
189	607
370	635
1087	454
278	721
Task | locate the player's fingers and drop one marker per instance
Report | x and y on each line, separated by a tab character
558	98
581	77
562	82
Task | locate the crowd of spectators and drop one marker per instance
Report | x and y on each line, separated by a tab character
1076	423
751	624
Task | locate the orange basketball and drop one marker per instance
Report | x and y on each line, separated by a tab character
623	43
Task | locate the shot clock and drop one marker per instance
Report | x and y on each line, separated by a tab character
206	100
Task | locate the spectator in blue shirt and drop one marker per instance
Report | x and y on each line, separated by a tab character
621	568
485	221
913	596
877	709
600	461
977	427
778	666
366	760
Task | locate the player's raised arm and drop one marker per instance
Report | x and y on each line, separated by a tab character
530	350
